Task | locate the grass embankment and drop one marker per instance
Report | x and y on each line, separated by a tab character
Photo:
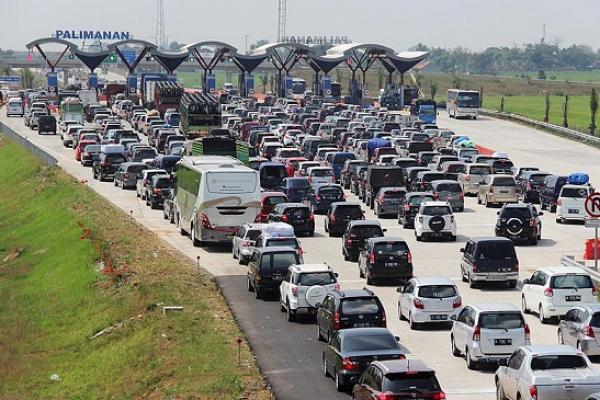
71	265
592	75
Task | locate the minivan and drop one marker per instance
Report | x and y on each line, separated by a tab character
47	124
489	259
15	107
385	258
267	268
550	190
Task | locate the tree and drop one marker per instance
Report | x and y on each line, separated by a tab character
546	106
380	78
502	104
541	74
257	44
6	70
264	80
566	112
456	82
175	46
27	78
433	88
593	111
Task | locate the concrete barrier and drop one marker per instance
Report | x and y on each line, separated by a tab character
38	152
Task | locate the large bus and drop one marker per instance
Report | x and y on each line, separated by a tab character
298	88
214	196
462	103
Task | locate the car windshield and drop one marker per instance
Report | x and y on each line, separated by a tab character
417	200
331	191
537	179
435	211
575	193
298	183
496	250
415	382
366	231
480	170
360	306
504	181
501	320
321	172
285	242
571	281
437	291
559	361
368	342
395	194
316	278
348	211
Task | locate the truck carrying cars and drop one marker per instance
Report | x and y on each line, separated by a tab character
71	109
147	87
218	145
167	95
200	113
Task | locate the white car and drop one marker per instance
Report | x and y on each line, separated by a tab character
67	136
427	300
552	291
244	240
320	176
555	372
488	332
570	205
305	286
435	219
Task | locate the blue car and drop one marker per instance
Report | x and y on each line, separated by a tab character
323	196
296	189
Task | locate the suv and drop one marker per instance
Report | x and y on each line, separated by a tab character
143	181
488	332
489	260
388	200
305	286
529	185
107	165
297	215
243	241
394	379
321	197
339	215
497	189
267	268
47	124
571	203
278	234
386	258
435	220
355	235
552	291
519	222
427	300
409	206
356	308
450	191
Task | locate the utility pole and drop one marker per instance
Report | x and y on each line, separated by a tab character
160	35
282	14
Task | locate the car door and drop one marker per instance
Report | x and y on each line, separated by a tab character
459	329
323	314
407	297
253	267
510	382
467	259
570	327
237	240
536	290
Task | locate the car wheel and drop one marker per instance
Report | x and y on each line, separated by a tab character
552	208
412	324
115	183
257	293
195	242
369	279
137	194
453	238
534	240
524	305
290	314
233	253
499	392
471	364
472	283
325	371
561	339
281	306
486	203
558	220
338	383
512	284
346	258
376	210
542	316
478	200
464	276
360	272
400	315
578	346
455	351
542	205
319	336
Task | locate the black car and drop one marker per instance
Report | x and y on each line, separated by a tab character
379	176
529	185
550	190
385	258
339	215
296	189
424	178
354	308
321	198
107	165
46	124
410	175
349	352
298	215
89	154
353	239
267	268
160	186
519	222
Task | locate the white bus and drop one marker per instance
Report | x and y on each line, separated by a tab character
214	196
298	88
462	103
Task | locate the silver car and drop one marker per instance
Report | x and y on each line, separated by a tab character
554	372
244	240
580	328
474	175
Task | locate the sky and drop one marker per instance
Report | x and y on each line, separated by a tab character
474	24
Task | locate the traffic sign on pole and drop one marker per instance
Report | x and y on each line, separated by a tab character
592	205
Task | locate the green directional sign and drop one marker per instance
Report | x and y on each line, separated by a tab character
111	59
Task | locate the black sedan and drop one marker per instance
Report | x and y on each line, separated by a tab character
323	196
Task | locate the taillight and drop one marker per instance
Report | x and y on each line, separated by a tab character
205	221
295	291
533	392
516	267
559	202
105	164
527	333
284	218
332	218
409	257
258	218
337	286
146	181
491	189
419	304
468	178
476	333
549	292
349	365
336	321
299	251
474	267
157	191
532	222
311	217
438	396
594	291
406	207
528	186
372	258
318	198
348	242
457	302
589	331
436	196
380	199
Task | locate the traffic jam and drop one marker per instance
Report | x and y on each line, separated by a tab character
260	176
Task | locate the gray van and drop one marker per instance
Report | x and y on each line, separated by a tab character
489	259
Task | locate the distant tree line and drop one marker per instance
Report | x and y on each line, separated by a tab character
529	57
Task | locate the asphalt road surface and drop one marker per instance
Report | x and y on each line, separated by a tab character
289	354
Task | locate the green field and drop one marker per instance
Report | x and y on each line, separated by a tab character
533	107
573	76
194	79
56	295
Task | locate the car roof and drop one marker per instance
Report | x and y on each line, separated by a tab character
517	205
269	194
393	189
484	307
490	239
443	181
435	204
549	349
404	365
254	226
387	239
290	205
563	270
434	280
310	268
364	331
344	203
364	222
418	194
350	293
276	249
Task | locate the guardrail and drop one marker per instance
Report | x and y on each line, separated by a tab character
569	261
555	129
38	152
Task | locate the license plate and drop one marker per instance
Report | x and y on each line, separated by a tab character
503	342
391	264
504	191
438	317
573	298
299	221
362	325
573	211
278	278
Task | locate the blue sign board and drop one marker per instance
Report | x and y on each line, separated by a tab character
172	78
11	80
93	80
249	85
211	82
131	84
129	55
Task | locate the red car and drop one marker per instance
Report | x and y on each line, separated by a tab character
291	165
80	146
268	200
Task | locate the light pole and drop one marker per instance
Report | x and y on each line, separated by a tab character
246	42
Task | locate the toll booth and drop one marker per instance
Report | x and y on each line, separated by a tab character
250	84
211	82
131	84
325	87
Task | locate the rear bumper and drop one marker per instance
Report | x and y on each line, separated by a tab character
215	236
502	199
304	228
420	316
590	347
563	212
495	277
470	188
551	310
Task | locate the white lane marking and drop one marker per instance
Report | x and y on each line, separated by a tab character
469	391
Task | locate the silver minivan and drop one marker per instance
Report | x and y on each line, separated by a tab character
15	107
474	175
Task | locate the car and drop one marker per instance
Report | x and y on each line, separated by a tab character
529	185
549	191
387	258
267	268
303	167
126	174
570	205
379	176
296	189
297	215
580	328
67	136
304	288
423	180
350	351
356	233
107	165
34	118
348	170
427	301
47	124
546	372
449	191
520	222
320	175
409	207
488	332
497	189
244	240
160	186
143	181
388	200
321	197
89	154
339	215
81	144
489	259
552	291
268	200
435	219
474	175
397	379
279	234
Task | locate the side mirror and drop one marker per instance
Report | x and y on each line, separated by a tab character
453	317
336	274
384	230
497	212
462	250
503	362
526	281
400	289
397	338
540	213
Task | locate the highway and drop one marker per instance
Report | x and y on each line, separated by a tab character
288	353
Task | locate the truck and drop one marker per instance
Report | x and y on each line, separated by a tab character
147	87
71	109
218	145
167	95
200	113
89	96
111	90
424	110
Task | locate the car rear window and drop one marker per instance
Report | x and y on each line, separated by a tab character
321	172
369	343
115	158
412	382
272	171
290	153
328	191
92	148
575	193
297	183
495	250
348	211
501	320
136	168
367	231
285	242
164	183
360	306
146	153
301	212
571	281
316	278
274	200
391	248
394	194
456	168
502	164
537	179
559	361
281	261
417	200
504	181
595	321
448	187
434	211
253	234
437	291
515	212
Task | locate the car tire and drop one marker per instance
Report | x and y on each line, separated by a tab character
478	200
360	272
114	182
325	371
412	324
453	238
500	392
512	284
472	283
369	279
319	336
455	351
558	221
311	233
233	254
561	339
400	315
338	383
542	316
471	364
195	242
542	205
258	293
346	258
281	306
534	240
290	314
464	276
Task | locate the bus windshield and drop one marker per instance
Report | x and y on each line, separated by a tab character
299	86
467	100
